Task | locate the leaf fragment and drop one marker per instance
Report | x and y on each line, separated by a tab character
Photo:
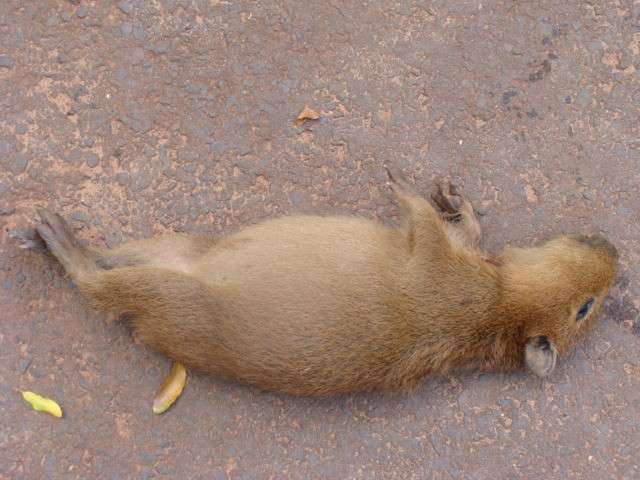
42	404
171	388
307	114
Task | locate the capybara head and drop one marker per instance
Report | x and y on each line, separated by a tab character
557	288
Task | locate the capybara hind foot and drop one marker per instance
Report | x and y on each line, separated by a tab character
57	235
29	239
399	183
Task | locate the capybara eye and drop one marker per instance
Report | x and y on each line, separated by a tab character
584	309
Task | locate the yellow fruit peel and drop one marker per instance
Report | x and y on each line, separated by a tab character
171	388
42	404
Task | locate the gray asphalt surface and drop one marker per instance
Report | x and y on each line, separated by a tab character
140	117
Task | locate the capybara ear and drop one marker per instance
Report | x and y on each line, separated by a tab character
541	355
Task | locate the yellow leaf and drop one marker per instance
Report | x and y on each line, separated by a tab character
42	404
171	388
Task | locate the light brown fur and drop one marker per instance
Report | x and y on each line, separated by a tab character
322	305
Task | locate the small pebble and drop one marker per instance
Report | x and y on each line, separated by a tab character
80	216
508	96
125	7
161	47
18	164
24	365
146	458
125	29
87	142
92	160
112	238
122	178
48	469
6	61
295	198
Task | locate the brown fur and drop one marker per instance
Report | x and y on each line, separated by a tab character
321	305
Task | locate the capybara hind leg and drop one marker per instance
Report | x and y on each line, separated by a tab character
426	235
173	252
168	310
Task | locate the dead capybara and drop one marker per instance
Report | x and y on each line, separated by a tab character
314	305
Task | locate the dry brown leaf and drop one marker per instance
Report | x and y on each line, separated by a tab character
308	114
